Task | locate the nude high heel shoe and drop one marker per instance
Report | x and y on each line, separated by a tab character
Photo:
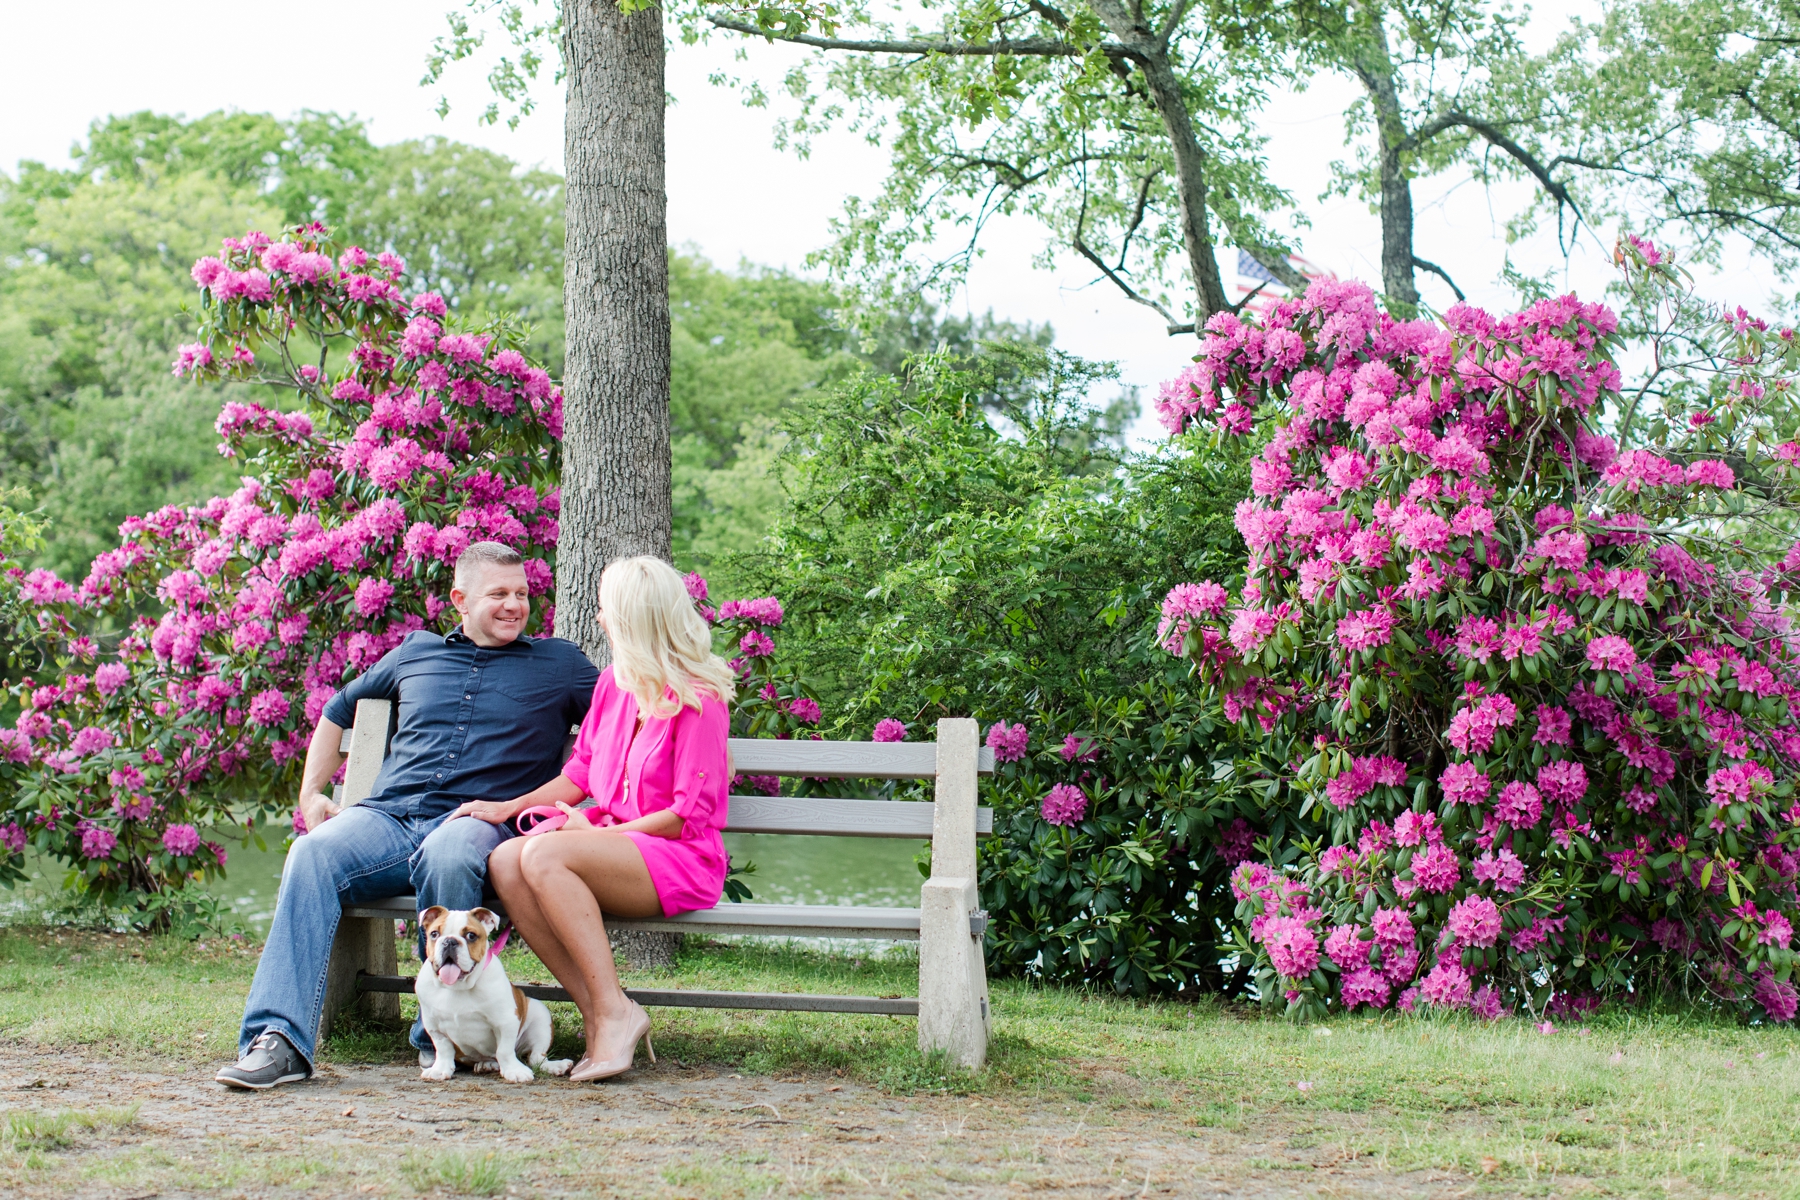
617	1064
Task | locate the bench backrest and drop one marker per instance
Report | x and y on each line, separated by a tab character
953	762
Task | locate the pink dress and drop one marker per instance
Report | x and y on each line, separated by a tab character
677	763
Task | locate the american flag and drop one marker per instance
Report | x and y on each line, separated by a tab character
1251	273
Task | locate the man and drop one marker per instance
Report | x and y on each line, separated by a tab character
484	715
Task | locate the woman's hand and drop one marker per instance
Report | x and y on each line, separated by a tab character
578	818
494	812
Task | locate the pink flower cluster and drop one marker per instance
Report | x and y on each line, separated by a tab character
1008	742
1063	804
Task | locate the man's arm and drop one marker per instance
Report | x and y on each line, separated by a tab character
323	758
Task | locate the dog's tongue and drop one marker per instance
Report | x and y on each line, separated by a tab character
449	973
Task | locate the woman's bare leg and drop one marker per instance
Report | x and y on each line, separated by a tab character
523	911
573	876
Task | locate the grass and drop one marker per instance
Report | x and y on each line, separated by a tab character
1649	1103
457	1173
28	1139
26	1131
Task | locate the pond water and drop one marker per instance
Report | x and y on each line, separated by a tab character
789	870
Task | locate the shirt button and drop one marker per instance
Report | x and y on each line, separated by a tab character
453	756
466	696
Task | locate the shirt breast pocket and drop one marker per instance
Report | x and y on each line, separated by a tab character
530	696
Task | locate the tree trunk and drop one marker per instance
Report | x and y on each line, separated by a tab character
1375	67
1160	80
615	452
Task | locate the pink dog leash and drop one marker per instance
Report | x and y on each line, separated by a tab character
544	819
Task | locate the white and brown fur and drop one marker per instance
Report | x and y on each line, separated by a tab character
481	1020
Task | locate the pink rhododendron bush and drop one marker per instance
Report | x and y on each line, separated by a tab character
392	441
1517	702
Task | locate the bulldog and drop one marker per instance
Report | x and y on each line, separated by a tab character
471	1011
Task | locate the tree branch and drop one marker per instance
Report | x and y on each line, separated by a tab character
1137	216
1036	47
1177	11
1081	248
1256	291
1499	140
1440	273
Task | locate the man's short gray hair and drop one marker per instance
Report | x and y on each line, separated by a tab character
480	555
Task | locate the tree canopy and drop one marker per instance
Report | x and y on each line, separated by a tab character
1134	132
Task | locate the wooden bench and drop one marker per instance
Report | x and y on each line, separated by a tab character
952	1004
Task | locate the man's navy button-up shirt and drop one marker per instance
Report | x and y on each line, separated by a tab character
476	722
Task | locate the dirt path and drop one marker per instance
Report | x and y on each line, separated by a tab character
669	1130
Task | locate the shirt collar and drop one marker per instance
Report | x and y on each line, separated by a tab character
456	637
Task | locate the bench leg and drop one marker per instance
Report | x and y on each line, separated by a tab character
363	944
953	993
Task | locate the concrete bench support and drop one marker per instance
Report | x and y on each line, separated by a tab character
364	945
953	995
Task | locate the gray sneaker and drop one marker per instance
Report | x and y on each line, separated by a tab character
270	1060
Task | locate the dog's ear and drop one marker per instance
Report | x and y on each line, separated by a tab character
433	916
486	919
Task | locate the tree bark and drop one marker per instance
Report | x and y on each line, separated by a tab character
1160	80
615	453
1375	67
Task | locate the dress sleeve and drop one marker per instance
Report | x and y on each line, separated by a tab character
581	762
702	777
379	682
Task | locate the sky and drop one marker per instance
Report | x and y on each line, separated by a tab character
732	194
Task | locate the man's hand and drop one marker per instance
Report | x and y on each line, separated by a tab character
315	810
494	812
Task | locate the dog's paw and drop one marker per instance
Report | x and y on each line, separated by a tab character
557	1066
486	1066
437	1074
517	1073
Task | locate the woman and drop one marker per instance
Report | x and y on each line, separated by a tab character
652	757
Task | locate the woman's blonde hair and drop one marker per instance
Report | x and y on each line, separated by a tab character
660	642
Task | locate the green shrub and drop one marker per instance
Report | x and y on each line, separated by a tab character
958	548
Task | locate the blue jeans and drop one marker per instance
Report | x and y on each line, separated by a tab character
359	855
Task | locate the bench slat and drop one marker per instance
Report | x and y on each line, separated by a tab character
837	760
897	1006
840	818
765	920
843	760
